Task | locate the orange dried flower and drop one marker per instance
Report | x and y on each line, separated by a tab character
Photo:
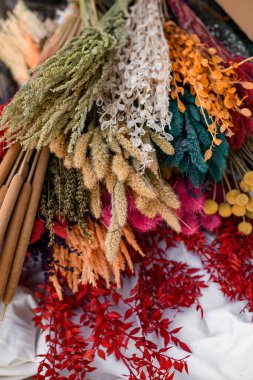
212	84
86	257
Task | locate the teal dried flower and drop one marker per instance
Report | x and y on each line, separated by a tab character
190	141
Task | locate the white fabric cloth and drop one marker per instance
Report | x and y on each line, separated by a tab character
221	342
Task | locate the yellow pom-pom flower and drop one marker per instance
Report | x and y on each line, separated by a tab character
244	187
231	196
242	199
210	207
248	178
225	210
245	228
238	210
249	205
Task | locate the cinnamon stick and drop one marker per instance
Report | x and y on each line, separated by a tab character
27	227
8	161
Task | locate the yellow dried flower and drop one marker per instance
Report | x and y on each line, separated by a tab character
231	196
225	210
241	199
249	205
238	210
244	186
245	228
210	207
248	178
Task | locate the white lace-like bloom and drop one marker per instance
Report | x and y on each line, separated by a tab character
136	94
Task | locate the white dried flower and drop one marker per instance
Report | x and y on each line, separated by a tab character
137	91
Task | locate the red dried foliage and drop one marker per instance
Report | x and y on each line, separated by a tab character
228	259
161	284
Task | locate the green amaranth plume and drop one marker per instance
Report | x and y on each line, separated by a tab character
190	141
60	95
63	196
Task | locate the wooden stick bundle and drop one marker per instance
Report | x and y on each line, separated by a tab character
5	186
8	161
14	228
27	227
12	195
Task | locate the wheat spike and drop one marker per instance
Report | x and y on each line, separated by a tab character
145	206
113	237
100	155
120	202
81	149
95	201
110	181
165	192
140	185
58	147
128	146
164	144
120	167
89	177
168	215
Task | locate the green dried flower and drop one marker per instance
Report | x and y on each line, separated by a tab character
63	195
62	92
